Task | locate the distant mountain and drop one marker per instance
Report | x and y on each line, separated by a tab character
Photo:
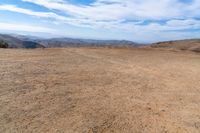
21	41
12	41
67	42
15	42
192	45
30	44
25	37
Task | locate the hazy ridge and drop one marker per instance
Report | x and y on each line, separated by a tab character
19	41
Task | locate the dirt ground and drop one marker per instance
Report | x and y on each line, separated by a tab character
99	90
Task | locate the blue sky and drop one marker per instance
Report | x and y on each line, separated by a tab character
135	20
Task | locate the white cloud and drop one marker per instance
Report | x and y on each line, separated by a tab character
14	8
120	9
25	27
60	19
172	25
100	14
124	15
114	13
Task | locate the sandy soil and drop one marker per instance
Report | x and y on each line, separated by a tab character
99	90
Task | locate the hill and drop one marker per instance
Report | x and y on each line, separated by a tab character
192	45
15	42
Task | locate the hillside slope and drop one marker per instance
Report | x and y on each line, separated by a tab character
192	45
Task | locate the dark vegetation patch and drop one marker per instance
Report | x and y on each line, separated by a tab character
3	44
30	44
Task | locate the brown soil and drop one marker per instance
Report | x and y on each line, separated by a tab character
99	90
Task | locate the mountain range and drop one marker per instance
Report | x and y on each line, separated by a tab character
20	41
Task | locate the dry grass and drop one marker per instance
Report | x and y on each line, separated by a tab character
191	45
83	90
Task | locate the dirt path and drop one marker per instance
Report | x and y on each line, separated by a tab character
83	90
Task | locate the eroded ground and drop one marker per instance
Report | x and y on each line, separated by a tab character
99	90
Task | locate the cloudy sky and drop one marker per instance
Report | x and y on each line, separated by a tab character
136	20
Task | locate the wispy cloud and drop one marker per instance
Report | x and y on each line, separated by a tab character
134	16
106	22
25	27
126	9
14	8
115	13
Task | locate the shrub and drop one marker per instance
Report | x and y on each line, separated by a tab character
3	44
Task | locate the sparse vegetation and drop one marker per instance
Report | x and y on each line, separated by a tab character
101	90
190	45
3	44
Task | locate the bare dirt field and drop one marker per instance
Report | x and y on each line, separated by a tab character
99	90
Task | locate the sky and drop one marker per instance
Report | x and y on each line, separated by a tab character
135	20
